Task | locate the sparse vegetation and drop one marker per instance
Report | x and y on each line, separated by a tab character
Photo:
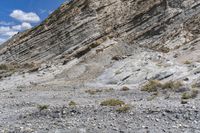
164	49
112	102
3	67
173	85
72	103
153	96
109	90
154	85
123	109
194	93
189	95
93	91
124	88
42	107
196	85
187	62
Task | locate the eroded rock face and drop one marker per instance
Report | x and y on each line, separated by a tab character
80	25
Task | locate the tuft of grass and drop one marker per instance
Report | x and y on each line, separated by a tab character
189	95
185	95
164	49
153	96
28	65
42	107
187	62
7	67
152	86
196	85
123	109
3	67
93	91
72	103
194	93
124	88
112	102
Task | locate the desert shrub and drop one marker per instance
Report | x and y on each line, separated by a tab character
93	91
189	95
152	86
153	96
123	109
109	90
194	93
164	49
112	102
187	62
124	88
196	85
72	103
42	107
3	67
173	85
28	65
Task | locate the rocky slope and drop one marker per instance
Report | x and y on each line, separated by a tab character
145	53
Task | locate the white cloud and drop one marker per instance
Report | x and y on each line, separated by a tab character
6	23
23	26
4	29
25	17
9	31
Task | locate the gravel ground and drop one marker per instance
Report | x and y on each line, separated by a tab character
20	111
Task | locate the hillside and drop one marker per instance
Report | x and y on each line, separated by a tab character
143	55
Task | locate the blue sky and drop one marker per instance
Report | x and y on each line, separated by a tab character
19	15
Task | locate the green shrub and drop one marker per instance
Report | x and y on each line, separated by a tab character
43	107
4	67
112	102
152	86
72	103
187	62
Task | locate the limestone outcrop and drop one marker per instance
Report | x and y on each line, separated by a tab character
80	25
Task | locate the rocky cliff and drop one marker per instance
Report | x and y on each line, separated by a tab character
78	26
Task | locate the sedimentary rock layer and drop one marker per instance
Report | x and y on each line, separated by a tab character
80	25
